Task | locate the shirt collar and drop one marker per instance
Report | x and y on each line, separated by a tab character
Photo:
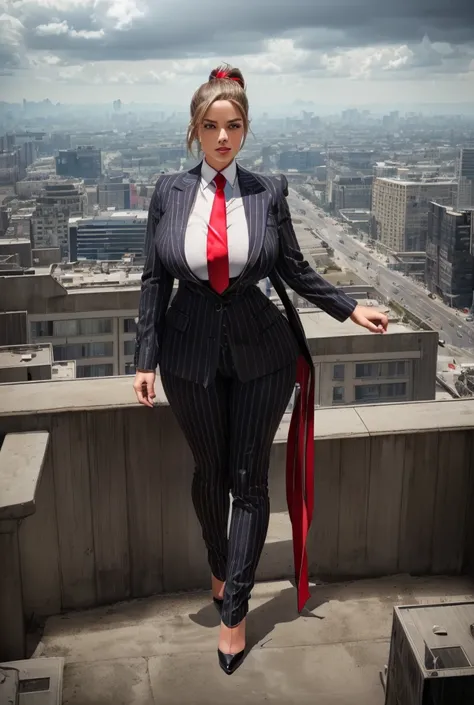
208	173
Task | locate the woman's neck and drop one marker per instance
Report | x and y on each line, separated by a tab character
218	167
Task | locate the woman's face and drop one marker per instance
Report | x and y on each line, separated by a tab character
221	133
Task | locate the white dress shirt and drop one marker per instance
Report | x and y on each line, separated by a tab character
195	244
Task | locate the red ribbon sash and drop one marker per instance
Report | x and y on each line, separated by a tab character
300	474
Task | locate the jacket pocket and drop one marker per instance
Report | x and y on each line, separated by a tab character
177	319
267	316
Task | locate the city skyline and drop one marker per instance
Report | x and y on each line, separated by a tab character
334	54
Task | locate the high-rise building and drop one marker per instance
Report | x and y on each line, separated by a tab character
16	154
400	210
58	202
449	262
352	192
107	236
300	159
114	195
83	162
466	179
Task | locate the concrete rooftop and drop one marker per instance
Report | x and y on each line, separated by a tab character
317	324
162	650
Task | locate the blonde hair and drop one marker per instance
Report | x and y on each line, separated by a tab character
225	83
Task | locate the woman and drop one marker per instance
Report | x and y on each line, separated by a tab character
228	358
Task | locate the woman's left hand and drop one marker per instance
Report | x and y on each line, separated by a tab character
370	318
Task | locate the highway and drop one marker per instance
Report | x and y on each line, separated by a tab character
451	324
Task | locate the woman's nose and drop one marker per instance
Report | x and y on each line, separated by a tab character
223	136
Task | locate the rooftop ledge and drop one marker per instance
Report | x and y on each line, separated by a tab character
337	422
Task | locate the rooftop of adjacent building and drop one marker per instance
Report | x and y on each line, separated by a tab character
451	210
110	215
421	182
318	324
25	356
14	240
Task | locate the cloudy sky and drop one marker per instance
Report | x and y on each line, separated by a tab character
340	52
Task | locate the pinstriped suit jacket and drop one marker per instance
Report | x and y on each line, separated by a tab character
184	337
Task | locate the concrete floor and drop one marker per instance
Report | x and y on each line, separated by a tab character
162	650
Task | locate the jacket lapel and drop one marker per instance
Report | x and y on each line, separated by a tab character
256	200
182	198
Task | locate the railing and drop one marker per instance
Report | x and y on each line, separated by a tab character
113	514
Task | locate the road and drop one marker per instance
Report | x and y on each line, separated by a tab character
450	324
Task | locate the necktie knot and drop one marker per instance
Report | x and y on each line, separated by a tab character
220	181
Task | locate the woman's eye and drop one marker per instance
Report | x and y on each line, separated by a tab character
208	125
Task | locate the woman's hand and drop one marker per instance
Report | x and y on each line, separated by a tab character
370	318
144	386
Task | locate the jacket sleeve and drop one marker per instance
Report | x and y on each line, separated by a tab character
156	288
296	271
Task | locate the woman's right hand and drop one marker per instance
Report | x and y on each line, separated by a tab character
144	386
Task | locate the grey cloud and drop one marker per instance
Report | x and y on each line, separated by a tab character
186	29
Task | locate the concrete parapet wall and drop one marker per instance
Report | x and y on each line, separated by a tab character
114	518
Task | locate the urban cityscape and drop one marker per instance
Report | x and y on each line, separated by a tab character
382	204
381	194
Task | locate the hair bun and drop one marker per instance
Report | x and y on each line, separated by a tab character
227	73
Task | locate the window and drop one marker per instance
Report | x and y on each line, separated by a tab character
72	327
41	329
77	351
95	326
129	325
380	392
95	370
129	368
337	395
392	368
364	370
338	372
65	329
129	347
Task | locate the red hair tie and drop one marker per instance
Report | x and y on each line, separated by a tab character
224	74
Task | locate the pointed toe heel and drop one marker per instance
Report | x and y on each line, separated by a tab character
230	662
218	604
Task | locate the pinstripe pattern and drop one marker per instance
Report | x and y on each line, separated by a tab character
228	363
230	427
185	340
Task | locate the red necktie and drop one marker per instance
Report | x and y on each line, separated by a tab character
217	253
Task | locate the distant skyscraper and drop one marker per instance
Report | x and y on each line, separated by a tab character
300	159
117	105
449	262
56	203
83	163
466	179
114	195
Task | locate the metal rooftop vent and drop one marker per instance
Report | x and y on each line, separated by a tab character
431	658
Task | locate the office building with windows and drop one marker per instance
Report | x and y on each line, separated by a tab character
465	198
449	261
86	312
57	202
353	366
400	210
114	194
107	236
84	163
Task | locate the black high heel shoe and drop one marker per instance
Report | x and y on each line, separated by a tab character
218	603
230	662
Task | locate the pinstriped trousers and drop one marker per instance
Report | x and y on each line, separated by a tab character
230	427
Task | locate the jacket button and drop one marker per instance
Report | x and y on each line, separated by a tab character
219	307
